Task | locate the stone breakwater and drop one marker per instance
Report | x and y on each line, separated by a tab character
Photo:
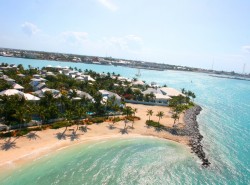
192	130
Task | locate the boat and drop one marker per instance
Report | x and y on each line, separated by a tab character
138	73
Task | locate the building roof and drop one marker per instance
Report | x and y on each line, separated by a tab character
10	92
88	78
31	97
10	80
79	78
55	93
138	82
84	94
40	85
152	90
17	86
171	91
161	96
21	75
109	94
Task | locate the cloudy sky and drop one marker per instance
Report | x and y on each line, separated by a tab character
184	32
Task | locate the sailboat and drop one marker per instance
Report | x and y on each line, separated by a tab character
138	73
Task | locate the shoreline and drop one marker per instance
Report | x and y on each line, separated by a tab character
26	149
192	129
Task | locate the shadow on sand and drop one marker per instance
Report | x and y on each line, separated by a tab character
61	136
111	127
124	131
32	136
8	144
84	128
74	136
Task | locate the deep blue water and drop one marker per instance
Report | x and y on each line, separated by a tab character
224	123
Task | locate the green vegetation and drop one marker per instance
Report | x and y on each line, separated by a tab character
98	119
181	103
178	105
149	113
160	114
16	111
60	124
153	124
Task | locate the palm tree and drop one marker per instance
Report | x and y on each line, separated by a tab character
160	114
175	116
134	111
79	112
41	110
149	113
72	94
69	115
128	112
183	91
19	115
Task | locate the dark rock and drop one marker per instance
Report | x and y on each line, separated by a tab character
192	129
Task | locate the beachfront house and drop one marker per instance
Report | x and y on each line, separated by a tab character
27	96
170	91
10	81
82	94
78	95
155	95
35	81
41	93
17	87
138	83
107	95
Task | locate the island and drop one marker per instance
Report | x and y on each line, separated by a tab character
46	109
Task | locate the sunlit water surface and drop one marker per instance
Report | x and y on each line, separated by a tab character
224	123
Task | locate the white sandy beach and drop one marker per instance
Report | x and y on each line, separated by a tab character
26	149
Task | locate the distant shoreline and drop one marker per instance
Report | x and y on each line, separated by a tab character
229	77
60	57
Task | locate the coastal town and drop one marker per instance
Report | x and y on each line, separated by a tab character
57	97
6	52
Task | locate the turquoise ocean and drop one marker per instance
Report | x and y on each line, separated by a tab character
224	122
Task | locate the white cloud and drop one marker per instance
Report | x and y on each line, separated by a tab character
73	37
109	4
246	48
30	28
128	43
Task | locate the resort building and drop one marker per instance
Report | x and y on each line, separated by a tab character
54	92
157	96
106	95
17	87
10	92
170	91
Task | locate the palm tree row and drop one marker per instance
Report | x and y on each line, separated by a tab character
159	114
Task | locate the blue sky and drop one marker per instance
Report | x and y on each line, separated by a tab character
184	32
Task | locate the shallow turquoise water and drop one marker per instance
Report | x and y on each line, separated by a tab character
224	122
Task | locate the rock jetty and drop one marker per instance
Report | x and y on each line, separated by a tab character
192	130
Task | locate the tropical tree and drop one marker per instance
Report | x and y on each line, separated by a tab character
149	113
79	113
128	111
175	116
72	94
160	114
134	110
22	114
69	115
183	91
42	113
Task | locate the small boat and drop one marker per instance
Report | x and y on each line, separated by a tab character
138	73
